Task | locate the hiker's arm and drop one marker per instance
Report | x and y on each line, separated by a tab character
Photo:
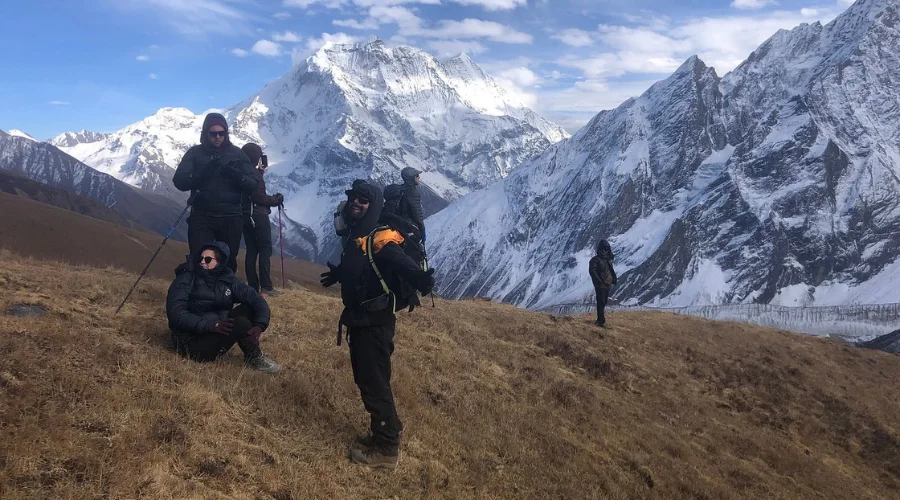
177	307
414	198
247	181
260	197
392	256
613	272
595	273
244	294
185	177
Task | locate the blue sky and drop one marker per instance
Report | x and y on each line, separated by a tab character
103	64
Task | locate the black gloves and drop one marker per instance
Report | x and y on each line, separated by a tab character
279	198
331	276
222	326
426	282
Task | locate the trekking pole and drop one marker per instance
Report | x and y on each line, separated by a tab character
153	258
281	242
425	253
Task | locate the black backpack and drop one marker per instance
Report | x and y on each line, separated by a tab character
393	195
401	293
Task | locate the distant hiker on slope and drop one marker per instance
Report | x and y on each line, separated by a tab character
373	268
604	277
257	228
217	174
204	322
406	201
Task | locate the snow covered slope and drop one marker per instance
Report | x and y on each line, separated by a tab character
349	111
777	183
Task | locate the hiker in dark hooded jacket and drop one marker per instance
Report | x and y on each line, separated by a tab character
257	228
204	322
218	175
604	277
369	316
410	204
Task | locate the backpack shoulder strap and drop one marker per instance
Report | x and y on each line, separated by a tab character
370	251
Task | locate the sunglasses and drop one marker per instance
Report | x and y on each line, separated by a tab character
221	133
207	259
362	200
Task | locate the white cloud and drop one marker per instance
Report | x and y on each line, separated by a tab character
477	28
143	58
287	36
494	5
153	76
368	24
407	21
240	52
521	76
449	48
266	48
59	103
574	37
298	55
282	15
198	17
845	3
751	4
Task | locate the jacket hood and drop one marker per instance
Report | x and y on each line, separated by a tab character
409	174
604	250
363	227
220	246
210	120
253	152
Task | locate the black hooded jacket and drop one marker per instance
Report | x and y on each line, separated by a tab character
198	298
410	204
601	269
358	280
217	178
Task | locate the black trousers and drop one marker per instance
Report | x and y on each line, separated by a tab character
370	355
203	229
258	238
602	299
209	346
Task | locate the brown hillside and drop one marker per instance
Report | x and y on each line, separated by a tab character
40	230
18	185
498	403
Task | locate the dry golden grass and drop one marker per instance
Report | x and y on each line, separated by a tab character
498	403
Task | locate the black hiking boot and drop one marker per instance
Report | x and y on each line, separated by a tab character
376	457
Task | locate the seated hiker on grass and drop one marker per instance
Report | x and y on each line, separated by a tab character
204	322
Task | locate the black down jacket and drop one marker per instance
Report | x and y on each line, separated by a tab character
198	298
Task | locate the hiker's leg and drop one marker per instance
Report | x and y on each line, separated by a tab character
205	347
602	299
264	245
249	345
201	230
250	257
370	357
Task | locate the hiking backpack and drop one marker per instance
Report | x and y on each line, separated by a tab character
401	293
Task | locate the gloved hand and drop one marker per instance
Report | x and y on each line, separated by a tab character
426	282
256	331
279	198
222	326
330	277
231	172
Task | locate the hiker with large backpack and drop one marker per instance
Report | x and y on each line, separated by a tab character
218	175
205	323
405	201
257	228
604	277
376	276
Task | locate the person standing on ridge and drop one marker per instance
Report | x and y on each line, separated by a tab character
604	277
372	266
257	228
410	203
217	174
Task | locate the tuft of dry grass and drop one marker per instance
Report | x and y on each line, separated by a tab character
498	403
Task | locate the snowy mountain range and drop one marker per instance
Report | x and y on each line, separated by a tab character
347	112
776	183
44	163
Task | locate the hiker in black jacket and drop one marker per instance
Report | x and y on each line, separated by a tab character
204	322
218	174
369	316
257	228
410	203
604	277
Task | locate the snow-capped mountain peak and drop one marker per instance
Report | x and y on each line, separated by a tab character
18	133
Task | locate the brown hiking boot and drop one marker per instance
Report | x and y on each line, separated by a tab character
375	458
